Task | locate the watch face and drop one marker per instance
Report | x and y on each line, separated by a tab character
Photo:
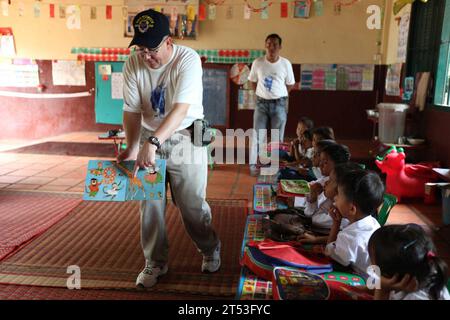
154	140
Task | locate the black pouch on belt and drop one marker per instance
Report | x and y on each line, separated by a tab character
201	133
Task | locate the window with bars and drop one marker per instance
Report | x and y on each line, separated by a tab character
442	93
429	45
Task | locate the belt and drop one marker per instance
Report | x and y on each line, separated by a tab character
272	100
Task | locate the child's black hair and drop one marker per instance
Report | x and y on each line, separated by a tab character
338	153
324	143
406	249
364	188
341	169
307	135
325	133
309	124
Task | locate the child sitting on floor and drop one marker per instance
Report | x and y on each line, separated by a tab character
322	133
410	269
308	151
329	156
308	174
360	193
297	151
320	212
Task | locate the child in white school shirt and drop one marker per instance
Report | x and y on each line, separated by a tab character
409	266
360	193
320	200
320	213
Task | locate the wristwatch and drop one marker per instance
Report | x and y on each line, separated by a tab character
154	140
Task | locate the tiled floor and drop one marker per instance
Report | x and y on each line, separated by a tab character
58	173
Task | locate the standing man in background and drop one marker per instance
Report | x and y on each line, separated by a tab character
163	94
272	78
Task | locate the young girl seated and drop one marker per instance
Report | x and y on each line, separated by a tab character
410	269
308	151
330	156
297	150
359	195
314	171
322	133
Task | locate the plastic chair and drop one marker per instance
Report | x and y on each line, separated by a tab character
389	202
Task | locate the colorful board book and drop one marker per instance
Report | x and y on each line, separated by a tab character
251	287
293	188
293	284
253	230
264	198
111	181
296	284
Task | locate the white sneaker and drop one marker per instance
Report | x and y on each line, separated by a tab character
211	263
149	276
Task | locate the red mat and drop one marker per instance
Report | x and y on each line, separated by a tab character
25	215
103	240
20	292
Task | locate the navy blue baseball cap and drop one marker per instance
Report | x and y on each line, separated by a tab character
150	28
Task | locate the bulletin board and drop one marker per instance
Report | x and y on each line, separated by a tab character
107	109
215	95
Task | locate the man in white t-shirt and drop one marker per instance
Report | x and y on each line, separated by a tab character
162	97
272	78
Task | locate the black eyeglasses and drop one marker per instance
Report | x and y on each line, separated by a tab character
143	51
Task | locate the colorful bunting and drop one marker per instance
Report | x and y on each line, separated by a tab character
212	12
108	12
247	12
5	8
52	10
93	13
229	14
37	9
284	9
201	12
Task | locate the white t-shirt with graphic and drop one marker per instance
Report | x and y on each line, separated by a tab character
272	78
153	92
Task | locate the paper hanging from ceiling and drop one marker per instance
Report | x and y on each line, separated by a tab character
73	14
5	8
68	73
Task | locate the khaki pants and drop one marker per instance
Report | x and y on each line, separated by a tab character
188	187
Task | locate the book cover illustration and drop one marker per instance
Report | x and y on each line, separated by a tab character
293	284
293	188
253	288
111	181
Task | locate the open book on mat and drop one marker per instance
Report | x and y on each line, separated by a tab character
111	181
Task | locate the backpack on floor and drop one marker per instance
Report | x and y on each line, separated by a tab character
262	257
285	224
